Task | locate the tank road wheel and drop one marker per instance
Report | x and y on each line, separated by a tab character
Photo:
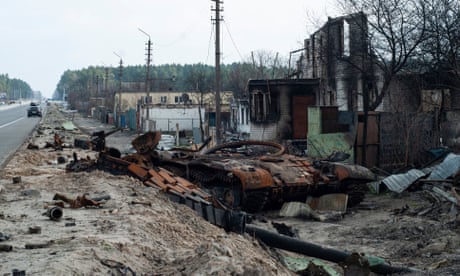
202	175
255	200
356	193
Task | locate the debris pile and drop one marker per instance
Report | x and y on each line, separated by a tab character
89	205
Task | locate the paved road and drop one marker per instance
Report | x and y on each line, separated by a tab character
15	128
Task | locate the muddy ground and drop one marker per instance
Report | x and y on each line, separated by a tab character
411	229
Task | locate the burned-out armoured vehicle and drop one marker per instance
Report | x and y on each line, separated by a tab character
254	175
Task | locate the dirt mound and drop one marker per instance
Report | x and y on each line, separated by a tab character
137	230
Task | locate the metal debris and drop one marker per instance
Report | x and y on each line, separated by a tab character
54	213
5	247
35	230
400	182
243	175
80	201
37	245
447	168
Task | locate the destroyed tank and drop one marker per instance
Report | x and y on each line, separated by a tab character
256	175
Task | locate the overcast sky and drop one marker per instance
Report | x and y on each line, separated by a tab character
40	39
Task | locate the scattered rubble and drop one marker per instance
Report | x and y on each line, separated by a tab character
141	229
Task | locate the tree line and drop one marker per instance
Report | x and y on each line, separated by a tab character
404	36
199	77
14	89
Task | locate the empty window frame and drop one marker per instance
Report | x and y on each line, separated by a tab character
346	39
264	106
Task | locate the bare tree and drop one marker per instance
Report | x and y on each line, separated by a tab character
441	50
395	29
260	65
198	80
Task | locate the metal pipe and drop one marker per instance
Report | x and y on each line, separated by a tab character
313	250
55	213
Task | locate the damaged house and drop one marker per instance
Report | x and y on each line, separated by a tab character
397	130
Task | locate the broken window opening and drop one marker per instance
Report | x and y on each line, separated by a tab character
346	39
262	107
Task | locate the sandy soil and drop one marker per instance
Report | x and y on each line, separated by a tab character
122	238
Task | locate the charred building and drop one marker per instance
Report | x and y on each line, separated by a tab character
338	55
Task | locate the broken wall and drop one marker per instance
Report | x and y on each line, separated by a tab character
334	54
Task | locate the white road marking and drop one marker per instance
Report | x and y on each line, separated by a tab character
12	122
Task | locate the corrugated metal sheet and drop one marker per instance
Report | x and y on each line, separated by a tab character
399	182
447	168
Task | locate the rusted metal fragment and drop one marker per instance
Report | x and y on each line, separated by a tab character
80	201
79	165
57	142
166	181
253	178
141	203
146	142
138	171
348	171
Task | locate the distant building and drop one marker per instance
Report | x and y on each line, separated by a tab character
166	109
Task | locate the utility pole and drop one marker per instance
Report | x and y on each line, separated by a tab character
147	76
106	83
120	75
217	20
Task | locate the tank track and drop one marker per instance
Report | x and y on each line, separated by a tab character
255	200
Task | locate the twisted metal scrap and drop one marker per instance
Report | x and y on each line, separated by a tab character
80	201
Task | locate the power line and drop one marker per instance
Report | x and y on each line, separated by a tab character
209	43
233	42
